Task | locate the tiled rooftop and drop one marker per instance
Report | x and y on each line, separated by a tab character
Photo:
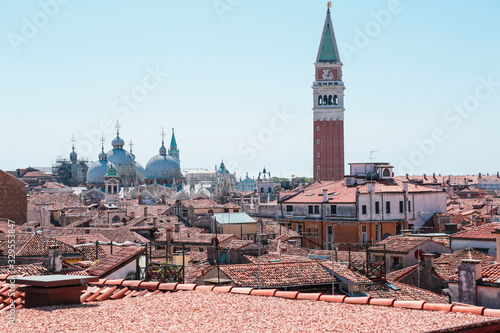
340	193
480	233
129	306
399	244
344	272
447	264
403	292
114	261
284	274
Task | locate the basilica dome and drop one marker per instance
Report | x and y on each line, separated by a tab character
163	168
98	170
122	160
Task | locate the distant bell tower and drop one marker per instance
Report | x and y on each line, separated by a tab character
174	150
328	108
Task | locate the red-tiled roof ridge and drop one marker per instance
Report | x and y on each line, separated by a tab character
396	275
399	244
104	291
113	262
482	232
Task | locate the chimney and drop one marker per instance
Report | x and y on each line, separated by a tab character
325	195
132	214
405	186
428	262
434	177
155	221
145	211
425	176
177	227
407	177
480	175
55	256
169	234
370	187
497	235
469	272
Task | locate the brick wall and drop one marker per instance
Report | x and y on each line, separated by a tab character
13	200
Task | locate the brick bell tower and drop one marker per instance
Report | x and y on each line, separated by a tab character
328	108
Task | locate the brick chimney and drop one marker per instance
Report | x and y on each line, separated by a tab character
145	211
325	195
469	272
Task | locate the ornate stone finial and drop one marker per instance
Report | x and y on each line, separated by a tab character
329	5
131	146
162	134
102	141
117	127
73	141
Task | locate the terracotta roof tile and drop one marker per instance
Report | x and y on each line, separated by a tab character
345	273
278	274
483	232
403	292
399	244
114	261
447	264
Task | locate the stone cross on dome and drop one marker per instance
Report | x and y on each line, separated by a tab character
163	150
162	134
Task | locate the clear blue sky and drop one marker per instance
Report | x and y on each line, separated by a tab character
232	64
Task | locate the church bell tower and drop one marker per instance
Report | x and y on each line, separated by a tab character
328	111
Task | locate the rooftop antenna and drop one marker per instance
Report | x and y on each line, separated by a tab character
371	161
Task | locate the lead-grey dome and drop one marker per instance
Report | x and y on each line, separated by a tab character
123	161
140	172
163	167
98	171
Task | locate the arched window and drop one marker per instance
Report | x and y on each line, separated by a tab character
261	190
320	100
386	173
115	189
335	100
116	219
269	190
330	100
325	100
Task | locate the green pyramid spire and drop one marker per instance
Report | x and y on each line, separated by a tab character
173	143
328	48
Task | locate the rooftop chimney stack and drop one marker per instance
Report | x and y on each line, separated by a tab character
469	272
55	256
325	195
371	187
145	211
428	261
405	186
